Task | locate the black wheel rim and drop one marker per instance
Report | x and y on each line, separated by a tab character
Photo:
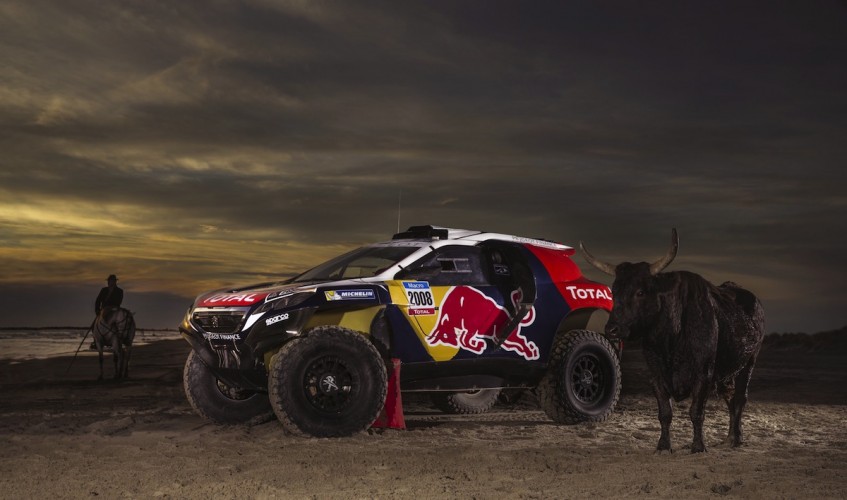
328	384
587	379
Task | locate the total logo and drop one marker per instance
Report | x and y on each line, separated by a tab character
588	293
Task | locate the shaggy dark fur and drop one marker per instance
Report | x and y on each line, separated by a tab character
695	337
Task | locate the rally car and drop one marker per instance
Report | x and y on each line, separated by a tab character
464	314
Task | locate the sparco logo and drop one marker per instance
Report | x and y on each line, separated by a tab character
276	319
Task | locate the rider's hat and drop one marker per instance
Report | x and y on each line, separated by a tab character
112	277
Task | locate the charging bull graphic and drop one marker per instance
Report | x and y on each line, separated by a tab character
467	317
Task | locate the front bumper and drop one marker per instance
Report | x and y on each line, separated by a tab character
237	358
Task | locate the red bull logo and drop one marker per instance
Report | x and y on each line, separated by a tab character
467	317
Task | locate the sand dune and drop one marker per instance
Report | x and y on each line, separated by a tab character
65	435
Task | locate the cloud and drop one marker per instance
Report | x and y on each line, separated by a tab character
194	144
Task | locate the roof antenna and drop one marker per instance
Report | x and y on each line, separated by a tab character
399	200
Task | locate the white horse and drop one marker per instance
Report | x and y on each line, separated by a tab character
118	331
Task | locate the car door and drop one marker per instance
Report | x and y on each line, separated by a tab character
453	303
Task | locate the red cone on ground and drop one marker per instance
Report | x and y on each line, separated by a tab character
391	416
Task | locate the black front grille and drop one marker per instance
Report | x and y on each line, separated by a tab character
219	322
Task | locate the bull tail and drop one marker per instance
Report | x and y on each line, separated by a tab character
743	298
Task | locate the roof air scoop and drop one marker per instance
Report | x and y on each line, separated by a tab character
422	233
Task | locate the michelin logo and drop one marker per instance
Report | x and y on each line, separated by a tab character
332	295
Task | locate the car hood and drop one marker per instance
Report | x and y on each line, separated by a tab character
248	295
253	294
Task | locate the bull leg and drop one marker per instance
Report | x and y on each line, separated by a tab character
697	413
726	388
737	403
665	417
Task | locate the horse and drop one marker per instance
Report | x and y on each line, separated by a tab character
115	328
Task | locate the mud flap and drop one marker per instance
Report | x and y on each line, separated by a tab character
391	416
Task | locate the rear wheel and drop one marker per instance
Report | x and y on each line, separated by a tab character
470	402
583	379
219	403
330	383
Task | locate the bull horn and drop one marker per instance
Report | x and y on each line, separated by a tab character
599	264
662	263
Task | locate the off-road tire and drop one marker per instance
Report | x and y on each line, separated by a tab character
583	378
217	403
331	382
465	403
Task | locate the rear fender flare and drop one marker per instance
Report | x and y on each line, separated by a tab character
593	319
585	319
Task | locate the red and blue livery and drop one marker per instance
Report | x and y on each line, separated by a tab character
463	314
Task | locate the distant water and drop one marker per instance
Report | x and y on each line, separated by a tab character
78	333
33	344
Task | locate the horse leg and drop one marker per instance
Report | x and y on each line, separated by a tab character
127	355
100	357
117	356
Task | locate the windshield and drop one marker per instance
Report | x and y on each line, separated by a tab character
360	263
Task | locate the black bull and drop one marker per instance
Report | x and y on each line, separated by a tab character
695	337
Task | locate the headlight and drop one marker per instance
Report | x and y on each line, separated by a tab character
187	319
280	300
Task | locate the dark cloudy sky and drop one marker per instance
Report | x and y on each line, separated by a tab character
192	144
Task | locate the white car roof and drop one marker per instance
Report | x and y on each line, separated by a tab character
464	235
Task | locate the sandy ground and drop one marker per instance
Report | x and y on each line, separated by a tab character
65	435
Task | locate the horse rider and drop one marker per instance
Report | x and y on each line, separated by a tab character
109	299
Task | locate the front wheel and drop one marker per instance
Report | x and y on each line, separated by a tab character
219	403
330	383
583	379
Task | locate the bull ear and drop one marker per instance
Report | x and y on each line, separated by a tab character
662	263
603	266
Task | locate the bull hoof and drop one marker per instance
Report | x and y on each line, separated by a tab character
734	439
666	451
698	448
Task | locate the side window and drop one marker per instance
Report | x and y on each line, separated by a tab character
448	266
508	270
